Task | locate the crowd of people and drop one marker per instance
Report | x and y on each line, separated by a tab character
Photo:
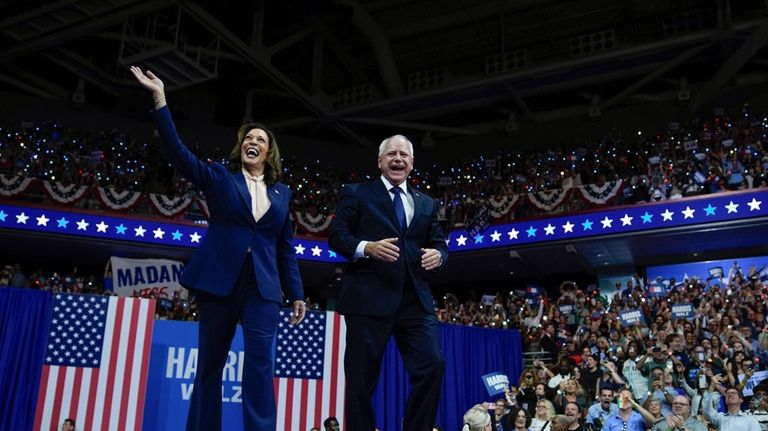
728	152
668	373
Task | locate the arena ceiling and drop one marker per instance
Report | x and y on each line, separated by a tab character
345	70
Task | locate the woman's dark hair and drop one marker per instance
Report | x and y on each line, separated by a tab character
273	167
512	417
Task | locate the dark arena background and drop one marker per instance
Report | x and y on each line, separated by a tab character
599	168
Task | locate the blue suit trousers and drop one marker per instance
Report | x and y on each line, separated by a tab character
219	316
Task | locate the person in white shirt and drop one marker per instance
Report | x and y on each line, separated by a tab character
563	373
734	418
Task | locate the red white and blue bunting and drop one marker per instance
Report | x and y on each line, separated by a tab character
169	206
64	194
314	224
600	195
118	200
501	207
548	200
14	185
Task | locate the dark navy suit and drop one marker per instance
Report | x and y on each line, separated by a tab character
381	299
234	284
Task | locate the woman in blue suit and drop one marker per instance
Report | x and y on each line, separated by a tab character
243	267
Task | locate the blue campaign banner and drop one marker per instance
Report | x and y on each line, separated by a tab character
495	383
712	272
682	311
172	367
631	317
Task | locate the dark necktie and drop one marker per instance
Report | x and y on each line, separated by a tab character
399	208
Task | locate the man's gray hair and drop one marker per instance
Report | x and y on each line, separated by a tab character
384	144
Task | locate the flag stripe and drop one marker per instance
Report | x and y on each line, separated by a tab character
129	370
66	384
77	381
319	403
85	390
279	385
41	396
119	370
340	388
341	338
289	402
90	416
92	398
101	404
112	351
334	368
299	405
326	401
309	413
58	390
303	402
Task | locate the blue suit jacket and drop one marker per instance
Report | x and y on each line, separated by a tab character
215	266
365	212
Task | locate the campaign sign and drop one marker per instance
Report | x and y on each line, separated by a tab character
171	377
756	378
682	311
631	317
566	309
488	299
146	277
656	290
495	383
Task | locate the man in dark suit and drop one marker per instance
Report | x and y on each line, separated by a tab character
390	234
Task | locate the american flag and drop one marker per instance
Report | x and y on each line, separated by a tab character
95	366
309	370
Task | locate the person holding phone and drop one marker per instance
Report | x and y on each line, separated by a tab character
733	418
626	419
